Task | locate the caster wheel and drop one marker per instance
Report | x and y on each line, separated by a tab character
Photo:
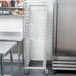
26	72
54	71
45	72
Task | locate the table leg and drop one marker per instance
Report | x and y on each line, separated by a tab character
11	63
22	53
18	46
2	69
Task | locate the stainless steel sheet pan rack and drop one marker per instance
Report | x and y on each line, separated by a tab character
27	31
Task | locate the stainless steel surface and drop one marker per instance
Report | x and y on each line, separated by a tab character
66	28
14	36
28	32
64	35
5	48
11	36
57	68
55	12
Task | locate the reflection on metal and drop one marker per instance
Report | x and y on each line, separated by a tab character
64	39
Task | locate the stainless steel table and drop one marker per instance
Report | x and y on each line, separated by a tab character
13	36
5	48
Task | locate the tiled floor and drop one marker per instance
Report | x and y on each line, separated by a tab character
40	73
7	69
35	72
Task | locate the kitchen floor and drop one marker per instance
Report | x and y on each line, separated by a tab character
35	72
40	73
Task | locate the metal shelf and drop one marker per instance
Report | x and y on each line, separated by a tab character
13	15
11	8
27	32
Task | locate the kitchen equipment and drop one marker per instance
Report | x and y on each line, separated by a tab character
64	35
